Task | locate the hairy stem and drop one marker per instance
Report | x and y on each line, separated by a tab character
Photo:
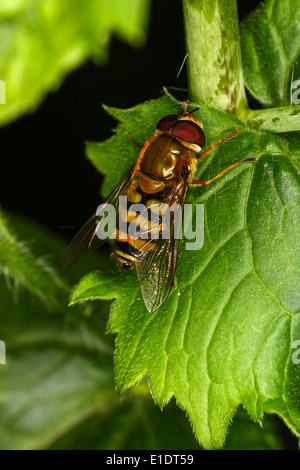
214	56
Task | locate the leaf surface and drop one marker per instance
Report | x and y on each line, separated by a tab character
224	337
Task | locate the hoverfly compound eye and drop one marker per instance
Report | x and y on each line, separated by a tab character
189	131
167	122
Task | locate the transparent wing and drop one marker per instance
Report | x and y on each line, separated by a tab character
86	240
156	270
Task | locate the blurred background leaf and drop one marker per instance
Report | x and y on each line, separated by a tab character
270	40
20	267
43	40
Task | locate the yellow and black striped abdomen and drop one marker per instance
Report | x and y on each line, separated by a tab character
138	232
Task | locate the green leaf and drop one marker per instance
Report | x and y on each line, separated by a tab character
57	373
66	398
57	370
43	244
41	41
57	387
270	41
19	265
225	335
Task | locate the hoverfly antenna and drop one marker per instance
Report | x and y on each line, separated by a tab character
194	110
184	106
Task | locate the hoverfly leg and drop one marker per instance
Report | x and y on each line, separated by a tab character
200	155
197	182
131	139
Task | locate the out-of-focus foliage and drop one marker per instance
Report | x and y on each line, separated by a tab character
270	40
42	40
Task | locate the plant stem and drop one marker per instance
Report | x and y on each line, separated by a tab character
283	119
214	56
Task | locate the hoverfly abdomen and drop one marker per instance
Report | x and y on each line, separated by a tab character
141	228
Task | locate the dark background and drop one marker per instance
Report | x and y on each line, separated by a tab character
45	174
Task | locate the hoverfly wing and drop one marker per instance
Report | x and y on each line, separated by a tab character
156	270
86	240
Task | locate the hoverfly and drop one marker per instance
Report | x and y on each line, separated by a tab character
161	175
